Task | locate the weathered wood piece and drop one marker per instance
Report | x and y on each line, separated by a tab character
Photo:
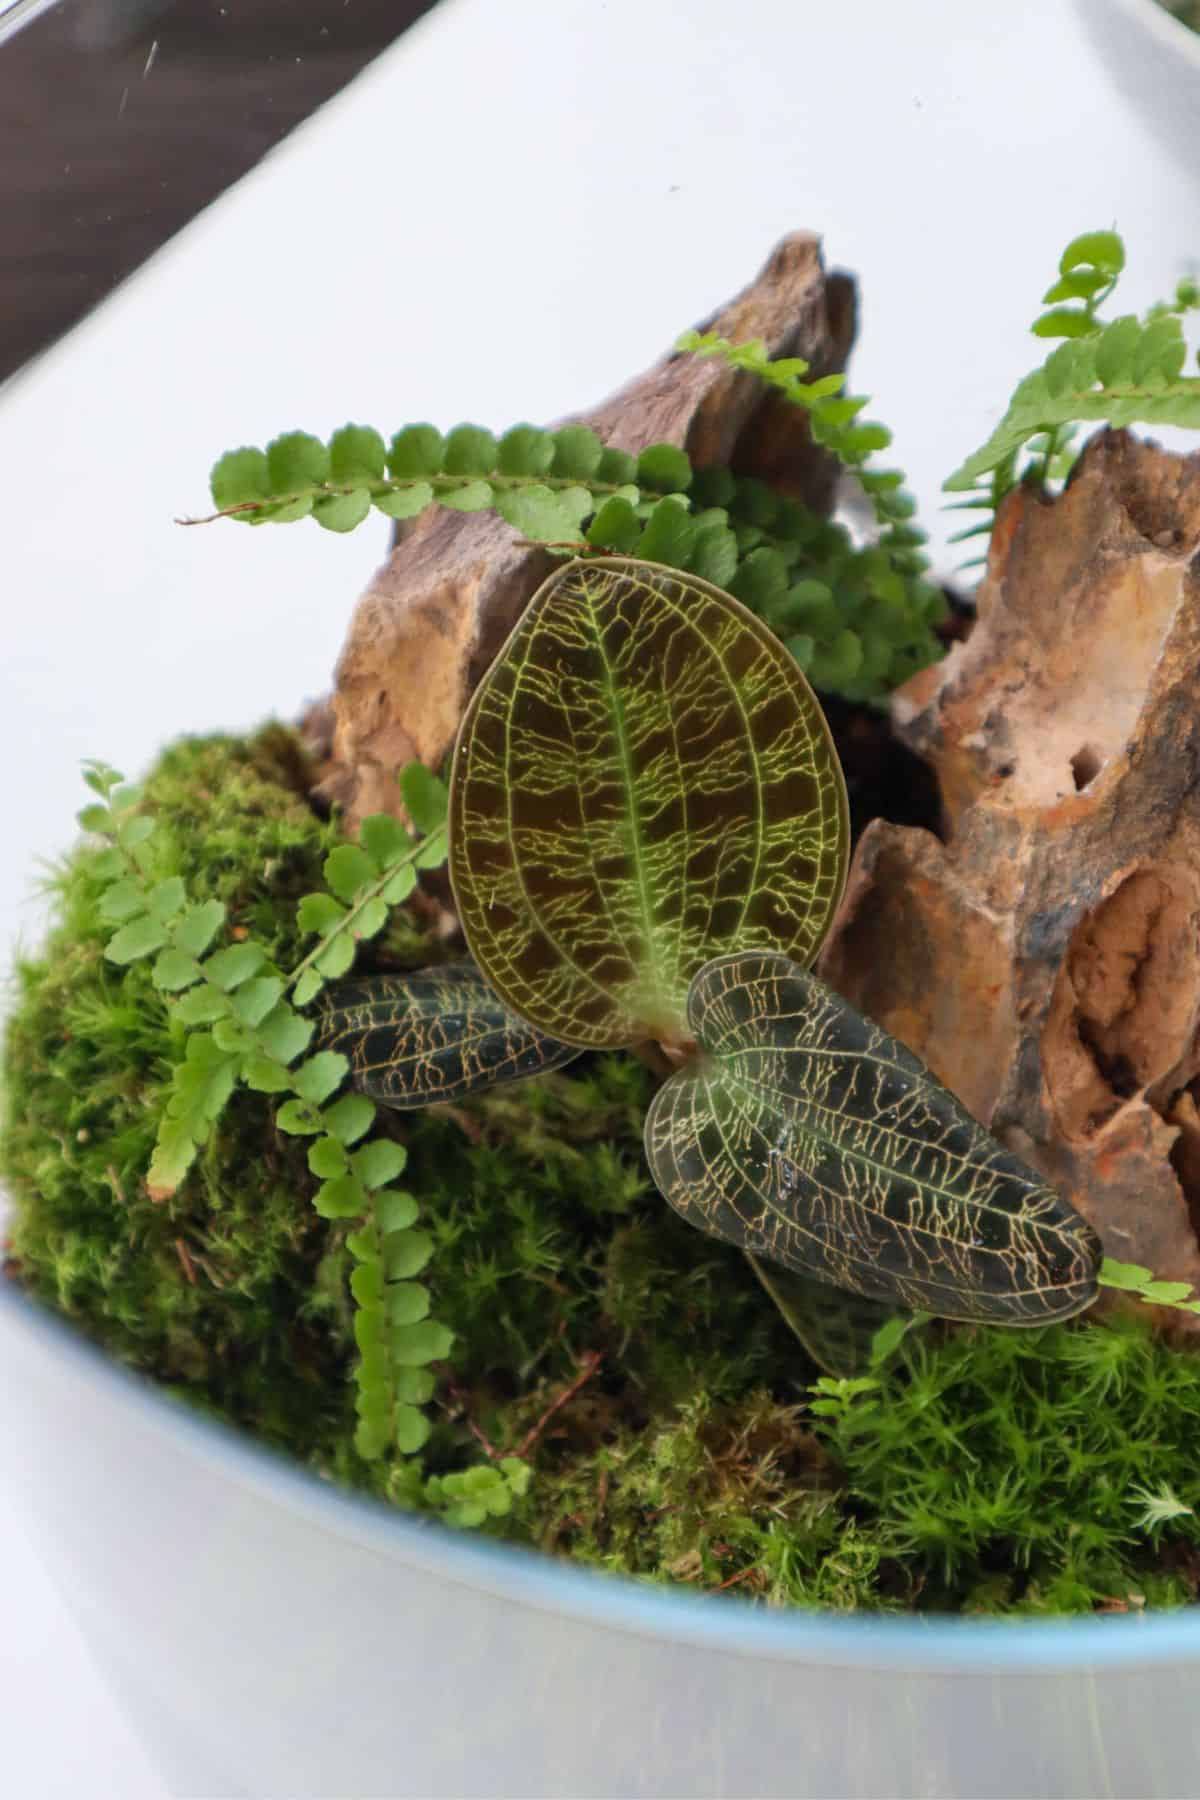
439	609
1043	956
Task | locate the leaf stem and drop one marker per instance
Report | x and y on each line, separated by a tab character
371	892
398	484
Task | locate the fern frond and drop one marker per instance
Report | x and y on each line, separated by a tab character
238	1026
543	482
1128	371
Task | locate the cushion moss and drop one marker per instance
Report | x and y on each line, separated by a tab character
651	1386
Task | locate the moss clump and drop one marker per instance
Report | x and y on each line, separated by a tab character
663	1407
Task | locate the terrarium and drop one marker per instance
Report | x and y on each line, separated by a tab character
687	1061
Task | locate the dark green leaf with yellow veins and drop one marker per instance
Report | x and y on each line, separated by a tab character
810	1137
433	1035
643	779
836	1328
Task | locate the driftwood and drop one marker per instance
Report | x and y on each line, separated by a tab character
1043	953
439	609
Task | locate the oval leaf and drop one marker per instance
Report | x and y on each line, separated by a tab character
436	1034
643	779
808	1136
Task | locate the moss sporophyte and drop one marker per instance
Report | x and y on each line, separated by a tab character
647	837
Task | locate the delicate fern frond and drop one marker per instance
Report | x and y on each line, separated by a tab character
1132	1278
239	1027
1128	371
543	482
871	626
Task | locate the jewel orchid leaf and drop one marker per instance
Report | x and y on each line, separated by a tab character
642	780
435	1034
836	1328
810	1137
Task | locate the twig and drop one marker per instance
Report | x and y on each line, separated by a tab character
591	1362
734	1579
481	1438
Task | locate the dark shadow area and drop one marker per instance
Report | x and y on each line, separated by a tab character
121	119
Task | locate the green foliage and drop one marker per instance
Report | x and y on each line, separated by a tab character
709	764
542	482
686	1458
1121	371
868	1154
433	1035
473	1496
1131	1278
257	1038
1039	1471
868	623
858	619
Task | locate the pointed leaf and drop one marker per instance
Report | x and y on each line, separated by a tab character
436	1034
808	1136
642	779
839	1330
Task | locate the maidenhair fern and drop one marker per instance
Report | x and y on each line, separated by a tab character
229	1005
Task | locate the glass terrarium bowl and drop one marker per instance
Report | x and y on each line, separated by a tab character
1154	59
266	1633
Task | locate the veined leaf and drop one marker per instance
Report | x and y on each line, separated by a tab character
434	1035
643	779
812	1138
836	1328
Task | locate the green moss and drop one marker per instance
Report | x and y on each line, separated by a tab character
662	1404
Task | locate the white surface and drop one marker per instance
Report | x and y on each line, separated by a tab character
504	218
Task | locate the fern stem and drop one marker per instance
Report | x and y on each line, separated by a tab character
432	841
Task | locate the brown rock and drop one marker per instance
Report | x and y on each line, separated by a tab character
1044	956
439	609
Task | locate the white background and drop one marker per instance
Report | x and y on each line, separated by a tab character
504	218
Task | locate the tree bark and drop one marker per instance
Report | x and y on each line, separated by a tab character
1043	953
437	612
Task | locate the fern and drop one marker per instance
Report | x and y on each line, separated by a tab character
858	620
544	483
1126	371
873	627
1132	1278
237	1026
